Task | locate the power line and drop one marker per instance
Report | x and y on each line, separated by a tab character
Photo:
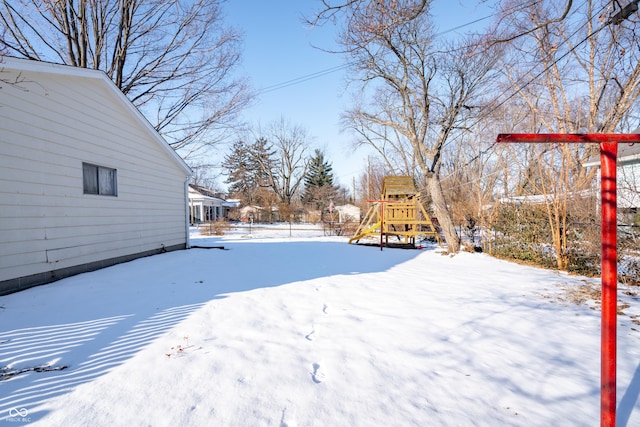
531	80
303	79
555	61
464	25
616	19
547	68
332	70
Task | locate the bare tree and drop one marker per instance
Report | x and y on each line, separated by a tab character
370	182
205	175
576	75
421	96
285	171
172	58
581	74
391	147
509	33
473	172
330	9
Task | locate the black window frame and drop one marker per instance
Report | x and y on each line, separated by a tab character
91	180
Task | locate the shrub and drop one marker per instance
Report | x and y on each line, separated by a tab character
215	228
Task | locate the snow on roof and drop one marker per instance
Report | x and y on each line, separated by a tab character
626	153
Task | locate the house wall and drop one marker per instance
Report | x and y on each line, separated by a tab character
49	126
629	185
349	213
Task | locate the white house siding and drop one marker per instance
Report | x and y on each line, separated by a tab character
629	186
628	182
49	125
348	213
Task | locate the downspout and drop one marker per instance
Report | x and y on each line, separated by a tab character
186	211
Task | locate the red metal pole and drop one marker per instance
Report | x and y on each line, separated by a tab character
608	154
631	138
381	222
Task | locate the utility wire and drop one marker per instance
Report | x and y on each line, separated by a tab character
616	19
303	79
533	79
623	14
337	68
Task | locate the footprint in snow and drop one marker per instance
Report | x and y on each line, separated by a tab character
317	375
288	418
310	336
324	308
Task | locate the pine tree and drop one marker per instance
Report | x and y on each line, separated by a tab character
319	187
240	174
248	169
261	160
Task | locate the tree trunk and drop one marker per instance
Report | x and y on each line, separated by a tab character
442	213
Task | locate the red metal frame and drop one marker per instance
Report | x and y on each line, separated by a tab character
608	153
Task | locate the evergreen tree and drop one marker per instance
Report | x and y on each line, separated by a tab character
319	187
248	168
240	175
262	161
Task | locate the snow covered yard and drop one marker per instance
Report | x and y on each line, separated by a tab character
309	331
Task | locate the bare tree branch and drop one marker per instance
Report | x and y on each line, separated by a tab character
537	25
172	58
421	95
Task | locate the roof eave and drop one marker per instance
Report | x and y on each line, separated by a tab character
7	62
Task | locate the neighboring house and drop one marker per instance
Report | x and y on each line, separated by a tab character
348	213
85	180
628	179
539	199
253	214
259	214
206	205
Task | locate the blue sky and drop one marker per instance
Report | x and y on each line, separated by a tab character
279	50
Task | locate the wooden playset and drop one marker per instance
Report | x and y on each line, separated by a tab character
399	213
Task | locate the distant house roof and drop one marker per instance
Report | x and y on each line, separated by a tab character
201	196
206	192
348	212
626	153
20	64
537	199
349	209
232	203
201	193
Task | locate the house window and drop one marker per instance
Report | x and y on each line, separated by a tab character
99	180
